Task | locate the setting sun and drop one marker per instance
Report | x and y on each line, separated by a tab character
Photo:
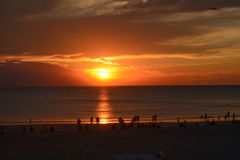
103	73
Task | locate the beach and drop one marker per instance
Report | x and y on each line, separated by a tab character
191	123
192	142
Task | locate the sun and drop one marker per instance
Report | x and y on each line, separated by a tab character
103	73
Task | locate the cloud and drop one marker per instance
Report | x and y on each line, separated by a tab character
36	74
75	8
221	14
158	35
219	38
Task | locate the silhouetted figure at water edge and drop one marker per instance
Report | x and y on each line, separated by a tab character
121	122
154	118
135	120
138	119
79	124
225	117
228	115
97	120
234	118
91	120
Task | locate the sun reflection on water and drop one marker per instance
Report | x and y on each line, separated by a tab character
104	107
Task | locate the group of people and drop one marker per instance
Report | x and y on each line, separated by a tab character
135	120
211	120
79	122
226	117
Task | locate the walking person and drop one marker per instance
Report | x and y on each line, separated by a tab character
97	120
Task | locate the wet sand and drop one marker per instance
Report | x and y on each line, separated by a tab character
221	142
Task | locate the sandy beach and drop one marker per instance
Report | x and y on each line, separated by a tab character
220	142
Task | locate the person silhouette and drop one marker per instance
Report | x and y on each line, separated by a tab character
225	117
138	119
228	115
91	120
79	124
97	120
120	120
154	118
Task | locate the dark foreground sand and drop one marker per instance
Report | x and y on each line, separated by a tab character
188	143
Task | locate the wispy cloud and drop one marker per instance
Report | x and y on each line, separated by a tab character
219	37
225	13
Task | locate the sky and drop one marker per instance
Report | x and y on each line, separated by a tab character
137	42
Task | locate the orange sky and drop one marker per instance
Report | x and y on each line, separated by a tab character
150	42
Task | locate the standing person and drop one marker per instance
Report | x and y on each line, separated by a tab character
138	119
228	115
79	124
91	120
97	120
120	120
154	118
225	117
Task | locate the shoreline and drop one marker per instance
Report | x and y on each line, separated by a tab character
115	121
35	128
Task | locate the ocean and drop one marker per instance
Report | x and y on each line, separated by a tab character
59	104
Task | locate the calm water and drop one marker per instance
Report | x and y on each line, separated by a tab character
17	104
